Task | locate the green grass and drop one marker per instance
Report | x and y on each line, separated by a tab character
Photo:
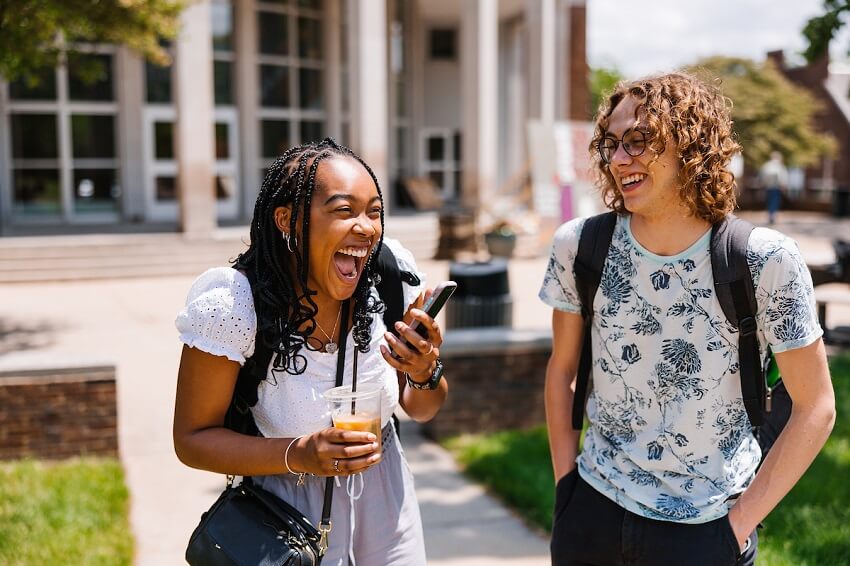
811	526
73	512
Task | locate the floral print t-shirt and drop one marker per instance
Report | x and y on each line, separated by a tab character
669	436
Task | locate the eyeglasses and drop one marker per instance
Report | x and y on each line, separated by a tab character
634	144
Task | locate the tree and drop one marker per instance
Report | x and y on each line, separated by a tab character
34	34
770	112
602	82
820	30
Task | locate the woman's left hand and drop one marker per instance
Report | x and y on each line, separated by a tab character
417	356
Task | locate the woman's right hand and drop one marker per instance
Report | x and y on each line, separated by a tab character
335	452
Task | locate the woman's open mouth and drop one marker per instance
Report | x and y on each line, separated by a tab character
349	262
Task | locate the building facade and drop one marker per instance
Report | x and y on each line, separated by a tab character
432	89
829	83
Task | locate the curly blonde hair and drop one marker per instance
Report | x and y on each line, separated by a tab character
697	118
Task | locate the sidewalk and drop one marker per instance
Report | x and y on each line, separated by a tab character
130	322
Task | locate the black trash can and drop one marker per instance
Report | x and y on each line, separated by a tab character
841	202
483	296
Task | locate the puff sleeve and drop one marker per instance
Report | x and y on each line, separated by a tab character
219	316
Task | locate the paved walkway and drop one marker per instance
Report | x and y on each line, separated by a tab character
130	323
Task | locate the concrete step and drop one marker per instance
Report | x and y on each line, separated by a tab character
103	256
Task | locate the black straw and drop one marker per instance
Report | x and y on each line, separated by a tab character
354	378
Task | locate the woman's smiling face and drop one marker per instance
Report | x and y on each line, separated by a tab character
345	226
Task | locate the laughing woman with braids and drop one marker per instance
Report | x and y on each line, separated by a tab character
317	224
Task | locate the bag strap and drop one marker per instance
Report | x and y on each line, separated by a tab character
593	244
733	284
325	523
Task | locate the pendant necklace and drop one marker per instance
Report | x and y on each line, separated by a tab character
331	346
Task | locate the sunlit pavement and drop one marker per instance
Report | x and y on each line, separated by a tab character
129	322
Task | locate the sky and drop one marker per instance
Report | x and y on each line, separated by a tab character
639	38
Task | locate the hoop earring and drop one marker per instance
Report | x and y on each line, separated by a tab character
290	242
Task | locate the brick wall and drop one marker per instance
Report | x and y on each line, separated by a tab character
58	413
495	381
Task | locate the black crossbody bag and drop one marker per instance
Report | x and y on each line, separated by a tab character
248	525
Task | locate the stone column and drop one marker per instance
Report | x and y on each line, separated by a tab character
248	100
131	96
333	11
369	87
479	101
542	18
194	141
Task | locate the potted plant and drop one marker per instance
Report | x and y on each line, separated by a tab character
501	239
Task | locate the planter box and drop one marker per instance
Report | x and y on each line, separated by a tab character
58	412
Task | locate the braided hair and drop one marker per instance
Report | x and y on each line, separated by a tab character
286	311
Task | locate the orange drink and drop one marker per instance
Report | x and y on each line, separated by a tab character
356	410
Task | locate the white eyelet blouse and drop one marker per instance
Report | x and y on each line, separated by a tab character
219	318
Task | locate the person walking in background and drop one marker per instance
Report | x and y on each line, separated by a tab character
667	473
317	229
774	178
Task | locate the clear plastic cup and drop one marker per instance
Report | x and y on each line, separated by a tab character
357	410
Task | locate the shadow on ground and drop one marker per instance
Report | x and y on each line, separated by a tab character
459	515
18	336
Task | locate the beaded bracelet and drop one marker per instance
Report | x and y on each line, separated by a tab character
300	475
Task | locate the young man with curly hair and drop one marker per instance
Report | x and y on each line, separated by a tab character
669	471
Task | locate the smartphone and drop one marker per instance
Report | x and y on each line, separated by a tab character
431	307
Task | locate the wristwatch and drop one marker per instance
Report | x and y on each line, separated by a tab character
431	383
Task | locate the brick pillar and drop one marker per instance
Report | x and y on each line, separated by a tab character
579	98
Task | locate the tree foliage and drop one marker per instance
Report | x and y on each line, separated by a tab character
820	30
602	82
34	34
769	111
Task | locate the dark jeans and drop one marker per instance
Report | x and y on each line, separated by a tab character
774	199
590	529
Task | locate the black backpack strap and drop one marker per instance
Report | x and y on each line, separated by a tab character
389	286
733	284
252	372
390	278
593	244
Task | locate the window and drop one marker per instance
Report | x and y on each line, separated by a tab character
90	77
92	136
276	138
40	86
290	56
34	136
274	86
274	30
441	159
63	138
158	84
443	44
223	52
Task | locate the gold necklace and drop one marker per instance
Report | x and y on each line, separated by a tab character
331	346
